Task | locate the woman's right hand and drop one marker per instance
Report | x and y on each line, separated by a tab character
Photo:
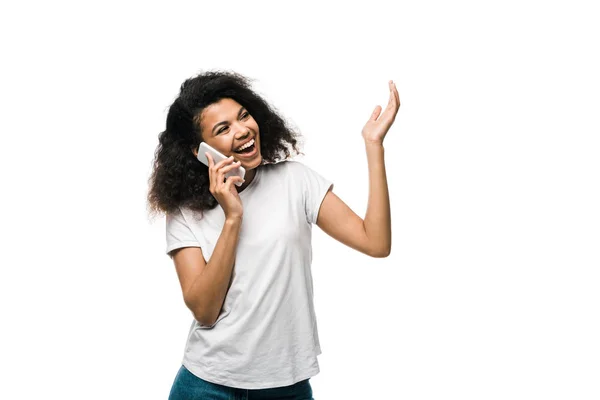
224	190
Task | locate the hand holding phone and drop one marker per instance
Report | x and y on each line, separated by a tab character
222	189
218	157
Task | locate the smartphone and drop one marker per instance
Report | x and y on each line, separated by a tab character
217	157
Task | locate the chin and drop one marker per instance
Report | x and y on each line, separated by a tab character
254	163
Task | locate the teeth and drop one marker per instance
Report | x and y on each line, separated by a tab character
250	143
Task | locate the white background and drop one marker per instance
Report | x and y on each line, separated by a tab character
491	290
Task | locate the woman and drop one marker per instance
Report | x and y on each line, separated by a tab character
243	253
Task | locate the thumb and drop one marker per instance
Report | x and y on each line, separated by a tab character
376	113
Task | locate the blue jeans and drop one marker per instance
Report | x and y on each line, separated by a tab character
188	386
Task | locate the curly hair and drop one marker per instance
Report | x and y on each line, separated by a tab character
178	178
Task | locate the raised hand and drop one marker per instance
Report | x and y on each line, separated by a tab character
375	129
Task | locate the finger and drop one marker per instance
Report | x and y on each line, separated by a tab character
392	100
228	168
230	180
211	176
224	162
376	113
223	170
397	94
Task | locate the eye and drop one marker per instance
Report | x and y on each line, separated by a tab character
245	115
221	130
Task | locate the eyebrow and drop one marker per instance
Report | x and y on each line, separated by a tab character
225	122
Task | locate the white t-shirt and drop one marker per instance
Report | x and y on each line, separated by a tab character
266	334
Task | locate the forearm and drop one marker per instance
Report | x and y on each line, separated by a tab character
212	284
377	222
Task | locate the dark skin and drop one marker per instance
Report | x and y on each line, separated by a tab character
225	125
371	235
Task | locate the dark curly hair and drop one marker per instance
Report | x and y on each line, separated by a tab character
178	178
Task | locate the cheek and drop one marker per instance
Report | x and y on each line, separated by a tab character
257	130
254	125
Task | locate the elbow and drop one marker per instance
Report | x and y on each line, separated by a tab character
202	310
204	319
381	253
202	315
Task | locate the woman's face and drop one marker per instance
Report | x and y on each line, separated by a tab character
227	126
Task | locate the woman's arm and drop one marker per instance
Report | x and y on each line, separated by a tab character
373	235
205	285
378	224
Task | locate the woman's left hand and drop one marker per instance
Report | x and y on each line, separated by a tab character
375	129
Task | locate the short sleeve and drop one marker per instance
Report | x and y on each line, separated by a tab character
315	189
178	232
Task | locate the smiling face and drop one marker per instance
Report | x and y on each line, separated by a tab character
227	126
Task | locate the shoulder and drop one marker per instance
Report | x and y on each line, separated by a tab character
283	168
289	170
302	171
294	167
186	215
174	214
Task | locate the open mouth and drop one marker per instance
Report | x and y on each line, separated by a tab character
253	151
247	148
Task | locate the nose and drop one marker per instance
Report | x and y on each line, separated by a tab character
241	131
